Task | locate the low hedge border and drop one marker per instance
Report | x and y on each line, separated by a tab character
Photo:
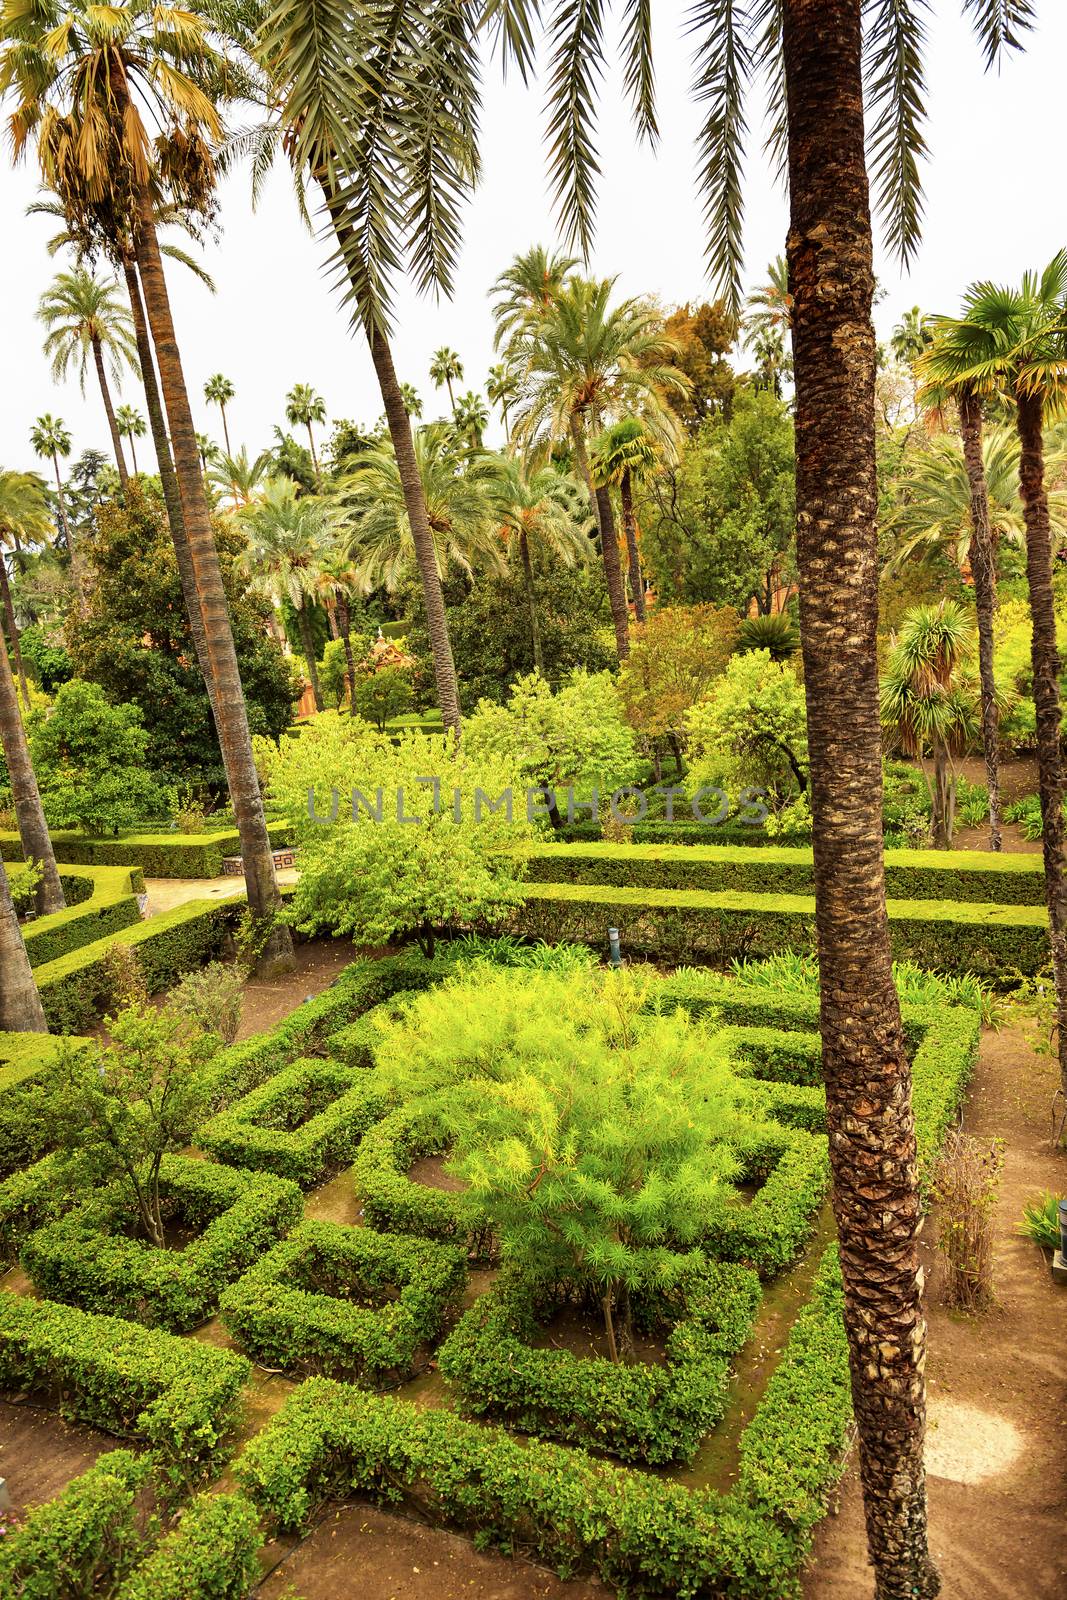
109	904
642	1535
642	1413
339	1103
686	924
158	855
180	1396
83	1541
211	1554
391	1202
691	832
955	875
769	1230
82	1259
283	1318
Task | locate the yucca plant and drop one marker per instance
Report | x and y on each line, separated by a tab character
1041	1221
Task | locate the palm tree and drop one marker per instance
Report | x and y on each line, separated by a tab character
24	519
73	71
525	290
911	337
21	1010
86	319
339	582
131	425
412	403
50	439
240	475
206	449
302	408
502	388
470	419
624	453
769	309
446	368
219	391
536	507
288	537
582	361
927	704
378	528
23	506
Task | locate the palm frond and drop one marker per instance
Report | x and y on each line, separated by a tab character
724	67
895	41
639	78
1000	25
576	66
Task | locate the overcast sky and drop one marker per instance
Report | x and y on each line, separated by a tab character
994	189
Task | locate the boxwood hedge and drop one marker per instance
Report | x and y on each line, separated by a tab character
83	1541
100	901
158	855
211	1554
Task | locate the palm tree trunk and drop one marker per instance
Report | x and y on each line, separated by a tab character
1046	669
225	431
314	460
984	573
232	719
531	601
33	829
307	644
609	544
21	1010
157	422
133	455
76	569
13	630
344	615
629	523
869	1117
116	437
941	820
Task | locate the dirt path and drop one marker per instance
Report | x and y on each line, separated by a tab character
997	1447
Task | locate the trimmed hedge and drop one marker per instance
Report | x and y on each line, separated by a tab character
304	1123
769	1230
104	900
84	1540
85	1259
179	1396
212	1554
639	1412
642	1535
299	1306
391	1201
960	875
693	924
158	855
691	832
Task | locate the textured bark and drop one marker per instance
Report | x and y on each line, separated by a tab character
168	481
1046	665
232	719
21	1010
76	569
344	615
116	437
307	644
629	524
609	544
531	601
868	1088
33	829
13	631
314	460
984	573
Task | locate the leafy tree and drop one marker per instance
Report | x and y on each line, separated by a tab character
622	455
675	657
703	336
749	732
594	1135
303	407
47	656
91	760
136	642
334	673
85	320
382	695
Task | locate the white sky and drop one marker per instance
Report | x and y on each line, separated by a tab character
994	190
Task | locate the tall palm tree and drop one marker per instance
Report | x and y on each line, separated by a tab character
412	403
445	369
303	407
471	418
538	508
24	519
21	1010
116	104
582	361
623	454
769	309
911	336
502	388
819	60
288	537
85	320
526	289
50	439
339	583
219	391
378	534
131	426
206	449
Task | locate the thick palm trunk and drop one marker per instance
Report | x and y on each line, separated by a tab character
29	813
116	437
21	1010
984	573
133	455
531	601
13	631
1046	668
629	523
232	719
157	422
609	545
868	1088
307	644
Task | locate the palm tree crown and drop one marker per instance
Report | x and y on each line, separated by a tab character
50	437
445	369
528	288
83	313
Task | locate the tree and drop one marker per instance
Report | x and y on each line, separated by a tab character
303	407
927	704
240	475
412	403
382	695
288	538
85	319
21	1010
527	289
29	812
445	369
131	426
911	336
622	455
537	508
24	519
219	391
502	388
749	732
704	336
470	419
675	656
770	307
50	439
92	762
97	154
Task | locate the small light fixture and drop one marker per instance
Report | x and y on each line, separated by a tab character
614	947
1059	1260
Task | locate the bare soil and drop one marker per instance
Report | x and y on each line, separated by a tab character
997	1441
1017	778
582	1334
430	1171
269	1001
40	1453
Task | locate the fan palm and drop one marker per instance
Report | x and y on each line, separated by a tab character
219	391
303	407
445	369
289	535
379	537
131	425
623	455
90	83
50	438
23	513
85	320
539	508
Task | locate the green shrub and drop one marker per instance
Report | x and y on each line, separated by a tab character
84	1540
392	1202
210	1555
100	901
211	998
91	762
299	1306
156	855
